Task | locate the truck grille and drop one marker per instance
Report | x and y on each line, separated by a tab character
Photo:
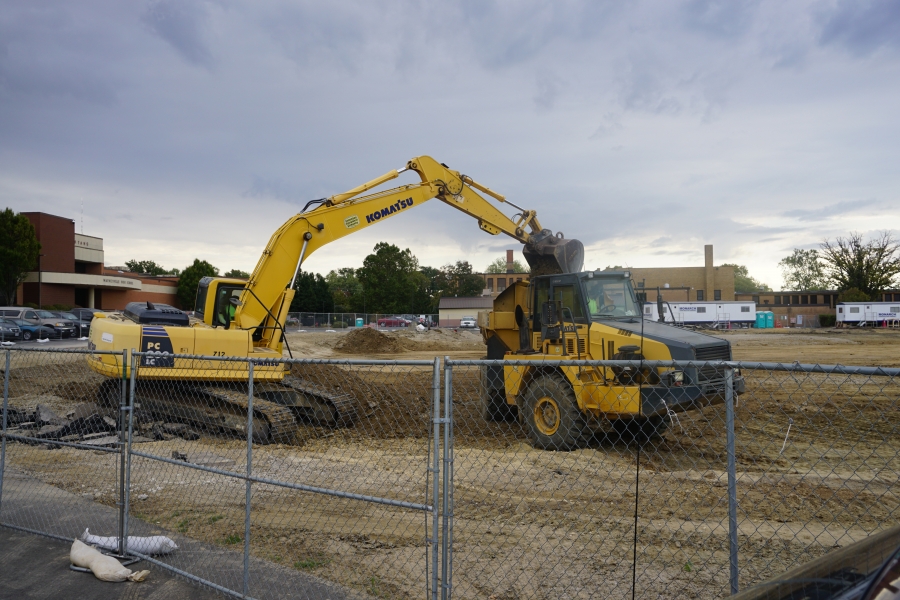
708	376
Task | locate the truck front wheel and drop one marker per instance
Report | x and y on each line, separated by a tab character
551	415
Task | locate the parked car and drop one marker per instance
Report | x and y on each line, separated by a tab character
468	322
35	331
85	314
9	330
393	322
82	327
867	569
37	317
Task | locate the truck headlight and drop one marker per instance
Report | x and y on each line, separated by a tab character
60	325
676	378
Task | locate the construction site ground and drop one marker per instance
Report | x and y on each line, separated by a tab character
527	522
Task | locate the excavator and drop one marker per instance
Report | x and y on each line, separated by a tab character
240	320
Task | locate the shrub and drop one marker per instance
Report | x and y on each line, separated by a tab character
339	324
827	320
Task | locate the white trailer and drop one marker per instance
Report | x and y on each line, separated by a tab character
868	314
719	315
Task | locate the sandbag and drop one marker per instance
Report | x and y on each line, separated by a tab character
156	544
104	568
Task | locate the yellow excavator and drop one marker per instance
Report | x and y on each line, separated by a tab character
241	319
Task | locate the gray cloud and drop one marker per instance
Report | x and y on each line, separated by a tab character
826	212
181	24
722	123
725	19
862	26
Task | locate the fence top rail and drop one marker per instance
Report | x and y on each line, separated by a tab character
292	361
64	351
750	366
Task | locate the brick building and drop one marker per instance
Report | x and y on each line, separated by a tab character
788	306
494	283
686	284
71	272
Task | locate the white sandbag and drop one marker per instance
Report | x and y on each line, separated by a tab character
156	544
104	568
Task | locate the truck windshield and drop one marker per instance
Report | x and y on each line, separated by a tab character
610	297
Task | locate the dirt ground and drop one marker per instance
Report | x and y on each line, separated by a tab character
816	460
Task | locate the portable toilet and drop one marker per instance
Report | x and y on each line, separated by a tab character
761	319
359	321
770	319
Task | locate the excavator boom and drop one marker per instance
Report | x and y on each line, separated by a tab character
268	292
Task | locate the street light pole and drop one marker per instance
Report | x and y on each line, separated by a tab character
40	281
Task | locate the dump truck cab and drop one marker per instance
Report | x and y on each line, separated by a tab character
591	315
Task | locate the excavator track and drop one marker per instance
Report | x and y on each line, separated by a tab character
310	402
209	406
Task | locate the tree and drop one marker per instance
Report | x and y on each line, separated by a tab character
190	279
499	266
853	295
311	294
19	250
802	270
387	279
458	280
743	283
237	273
145	267
869	266
346	290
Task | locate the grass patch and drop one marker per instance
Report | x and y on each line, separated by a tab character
214	519
234	538
311	563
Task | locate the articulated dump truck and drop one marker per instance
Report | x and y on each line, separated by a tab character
591	315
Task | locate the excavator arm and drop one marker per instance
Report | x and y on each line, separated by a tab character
269	292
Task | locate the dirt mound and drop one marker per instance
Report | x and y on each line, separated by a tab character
368	341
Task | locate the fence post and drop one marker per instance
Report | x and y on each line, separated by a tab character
131	387
122	440
3	430
447	504
249	474
435	472
732	480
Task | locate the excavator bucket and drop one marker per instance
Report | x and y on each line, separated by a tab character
554	255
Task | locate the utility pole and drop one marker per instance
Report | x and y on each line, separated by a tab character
40	280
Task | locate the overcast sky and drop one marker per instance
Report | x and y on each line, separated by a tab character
646	129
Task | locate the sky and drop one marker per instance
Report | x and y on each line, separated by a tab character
182	129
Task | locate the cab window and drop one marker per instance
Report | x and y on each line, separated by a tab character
569	298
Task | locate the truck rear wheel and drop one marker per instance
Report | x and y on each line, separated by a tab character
493	396
551	415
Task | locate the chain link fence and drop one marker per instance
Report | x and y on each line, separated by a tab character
325	320
400	479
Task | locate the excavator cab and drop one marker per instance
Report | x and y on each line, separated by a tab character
216	297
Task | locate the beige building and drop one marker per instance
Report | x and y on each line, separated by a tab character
494	283
452	309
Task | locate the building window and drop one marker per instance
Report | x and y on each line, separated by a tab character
795	299
699	295
501	284
854	309
777	299
640	284
490	283
804	299
518	279
756	299
745	309
717	294
701	309
895	309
